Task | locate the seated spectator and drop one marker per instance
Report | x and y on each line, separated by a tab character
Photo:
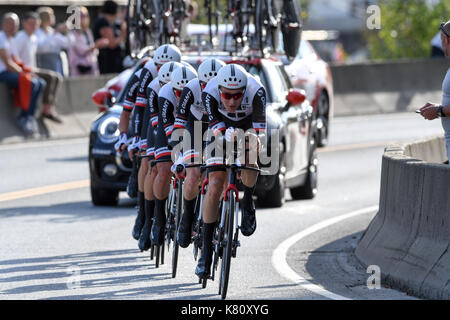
15	75
83	51
25	43
110	59
50	41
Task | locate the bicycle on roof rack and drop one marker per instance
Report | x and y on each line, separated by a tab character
143	25
255	25
154	22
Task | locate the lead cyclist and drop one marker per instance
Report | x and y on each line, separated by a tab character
234	100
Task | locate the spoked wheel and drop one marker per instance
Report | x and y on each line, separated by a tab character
179	205
228	246
267	26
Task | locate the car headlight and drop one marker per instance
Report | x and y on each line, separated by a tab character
108	130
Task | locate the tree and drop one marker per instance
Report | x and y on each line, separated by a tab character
407	27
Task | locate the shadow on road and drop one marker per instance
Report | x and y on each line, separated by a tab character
111	274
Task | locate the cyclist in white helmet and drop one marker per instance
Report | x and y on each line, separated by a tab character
136	97
168	98
190	111
234	100
151	118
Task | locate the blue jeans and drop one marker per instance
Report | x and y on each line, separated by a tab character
11	79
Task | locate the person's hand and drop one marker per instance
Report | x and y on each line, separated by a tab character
429	111
229	133
61	28
121	145
134	146
101	43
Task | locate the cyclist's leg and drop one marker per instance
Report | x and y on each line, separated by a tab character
140	219
144	240
161	185
191	182
211	203
248	178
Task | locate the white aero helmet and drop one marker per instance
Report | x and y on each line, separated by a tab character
187	64
166	70
181	76
209	68
232	76
166	53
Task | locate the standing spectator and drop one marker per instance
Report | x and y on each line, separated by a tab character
106	27
26	43
83	50
432	111
15	75
50	41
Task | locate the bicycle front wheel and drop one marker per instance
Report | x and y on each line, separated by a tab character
227	252
179	205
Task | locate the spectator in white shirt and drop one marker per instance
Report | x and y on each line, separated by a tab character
50	41
11	71
26	46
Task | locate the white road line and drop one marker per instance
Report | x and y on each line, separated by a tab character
279	255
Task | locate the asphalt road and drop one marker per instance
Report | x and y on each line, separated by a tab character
54	244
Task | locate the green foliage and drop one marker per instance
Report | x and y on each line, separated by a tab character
407	27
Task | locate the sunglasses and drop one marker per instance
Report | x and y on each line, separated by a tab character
234	96
177	93
441	27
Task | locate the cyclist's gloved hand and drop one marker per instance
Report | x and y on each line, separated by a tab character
171	144
122	141
229	134
180	161
135	144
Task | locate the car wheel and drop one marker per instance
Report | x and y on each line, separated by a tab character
309	189
274	198
104	197
322	112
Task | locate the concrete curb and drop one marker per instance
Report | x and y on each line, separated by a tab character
410	235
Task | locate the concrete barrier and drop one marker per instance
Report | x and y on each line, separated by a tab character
73	103
410	235
383	87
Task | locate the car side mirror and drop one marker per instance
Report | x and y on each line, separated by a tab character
294	97
103	98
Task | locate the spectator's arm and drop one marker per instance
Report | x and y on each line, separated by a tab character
107	32
10	64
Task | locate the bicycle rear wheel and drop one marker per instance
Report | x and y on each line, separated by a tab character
227	252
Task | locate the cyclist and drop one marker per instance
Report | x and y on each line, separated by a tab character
189	111
136	97
234	99
151	117
168	98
